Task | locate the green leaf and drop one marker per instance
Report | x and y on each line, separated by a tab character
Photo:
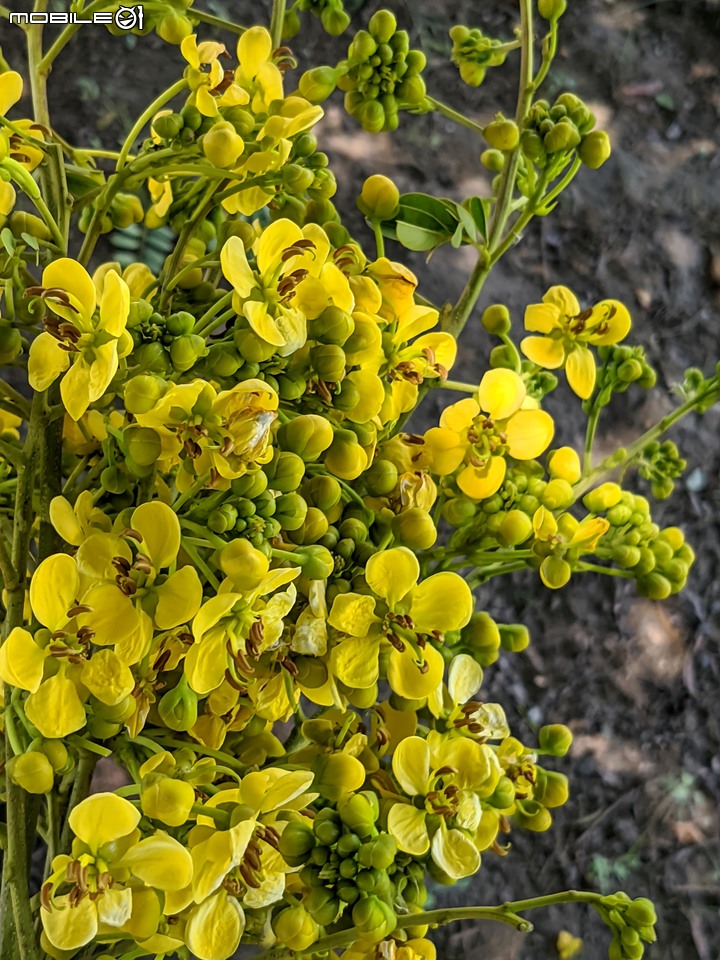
458	236
419	238
479	210
30	240
8	240
469	227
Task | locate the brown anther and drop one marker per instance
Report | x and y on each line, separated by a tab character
423	667
85	634
382	736
58	635
46	895
252	857
289	666
161	661
227	448
452	791
396	642
413	438
232	681
445	771
248	876
233	886
321	388
192	449
121	565
132	533
186	638
271	837
127	585
78	609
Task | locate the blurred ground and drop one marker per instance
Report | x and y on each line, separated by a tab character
638	682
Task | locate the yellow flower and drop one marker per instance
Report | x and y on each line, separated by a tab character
76	523
556	539
13	144
77	341
479	435
11	88
294	279
451	775
256	72
109	865
206	74
566	331
440	603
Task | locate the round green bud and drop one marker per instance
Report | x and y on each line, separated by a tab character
552	9
317	84
595	149
381	477
414	528
334	20
641	913
383	25
557	495
492	160
173	28
482	636
168	125
307	436
143	444
459	510
532	815
125	210
285	471
563	136
379	198
327	827
655	586
322	905
345	458
514	637
515	527
602	498
186	351
502	356
290	511
371	116
222	145
317	562
32	771
10	344
373	919
178	707
348	845
328	360
496	319
551	789
313	528
22	222
359	812
502	134
564	464
295	928
555	739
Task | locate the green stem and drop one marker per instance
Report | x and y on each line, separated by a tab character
66	36
458	385
452	114
214	21
80	790
196	487
205	321
145	117
548	54
379	238
189	228
276	22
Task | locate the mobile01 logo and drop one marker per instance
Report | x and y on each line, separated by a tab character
124	18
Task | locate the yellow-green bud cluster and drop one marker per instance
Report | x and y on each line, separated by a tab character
551	132
383	75
331	13
170	21
661	464
473	53
632	923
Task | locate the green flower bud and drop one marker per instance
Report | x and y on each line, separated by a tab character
312	672
482	636
291	511
412	91
626	556
295	928
222	145
242	119
22	222
313	528
143	444
345	458
328	361
531	815
551	789
307	436
563	136
316	561
371	116
502	134
496	319
322	906
414	528
173	28
373	918
168	125
515	528
178	707
125	210
595	149
602	498
347	892
348	845
334	20
502	356
555	739
317	84
503	795
383	25
362	47
291	24
326	827
514	637
557	495
655	586
552	9
641	913
10	343
379	198
359	812
378	853
492	160
186	351
381	477
285	471
32	771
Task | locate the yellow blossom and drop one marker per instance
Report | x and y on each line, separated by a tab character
566	331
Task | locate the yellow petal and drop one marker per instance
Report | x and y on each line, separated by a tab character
115	906
447	449
465	677
408	680
528	433
544	524
411	765
102	370
75	388
617	317
179	598
22	661
392	573
544	351
102	818
253	49
501	393
541	317
69	275
455	853
275	239
70	927
458	416
107	677
355	662
63	518
11	88
160	861
54	590
262	323
581	372
160	529
114	305
215	926
564	299
46	361
235	267
113	616
482	482
206	662
442	602
407	825
353	613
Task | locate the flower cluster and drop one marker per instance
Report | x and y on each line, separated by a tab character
230	567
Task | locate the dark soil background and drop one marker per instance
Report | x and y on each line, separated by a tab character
638	682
